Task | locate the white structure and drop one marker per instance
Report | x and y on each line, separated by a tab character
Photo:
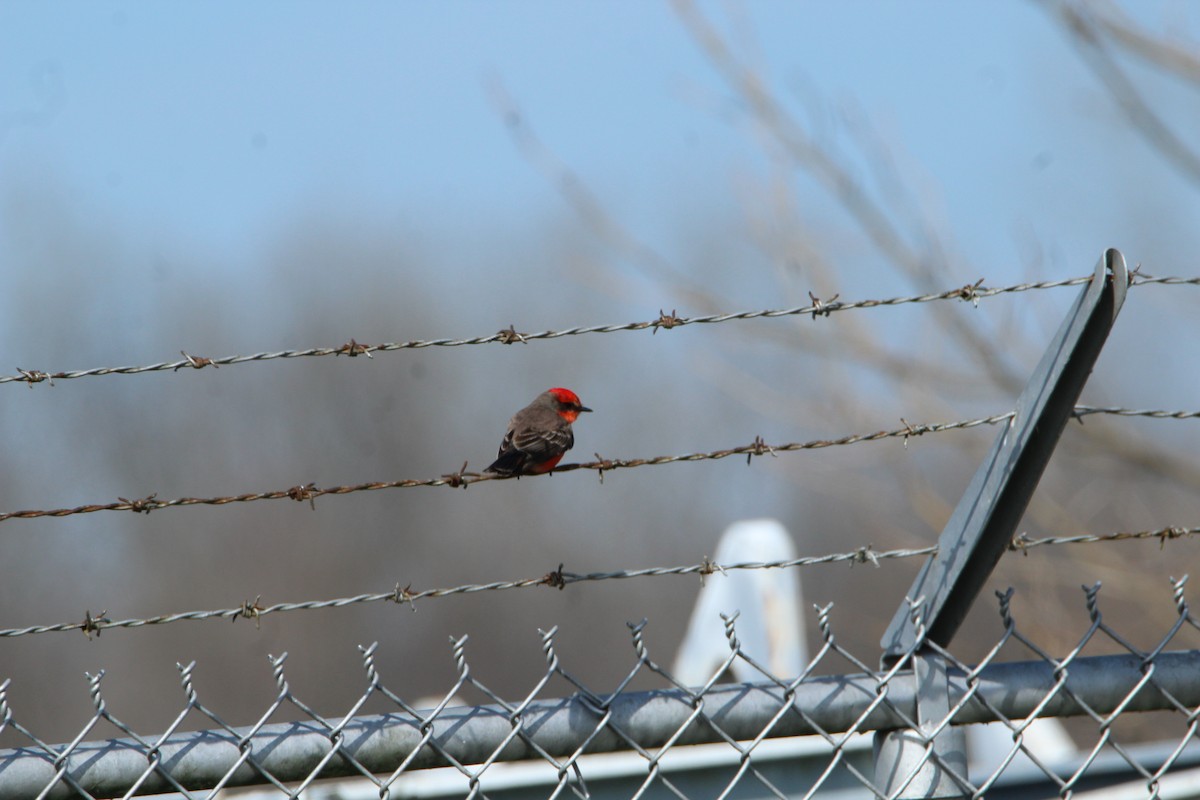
769	626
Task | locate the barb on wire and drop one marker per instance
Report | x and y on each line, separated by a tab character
309	492
819	308
557	579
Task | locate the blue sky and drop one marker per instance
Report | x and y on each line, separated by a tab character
219	122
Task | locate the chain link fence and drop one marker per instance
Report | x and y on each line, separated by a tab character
714	740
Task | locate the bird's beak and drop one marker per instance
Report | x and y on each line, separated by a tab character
584	408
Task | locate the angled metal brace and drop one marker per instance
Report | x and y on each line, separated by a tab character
927	763
982	525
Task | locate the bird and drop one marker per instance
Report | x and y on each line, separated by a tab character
538	435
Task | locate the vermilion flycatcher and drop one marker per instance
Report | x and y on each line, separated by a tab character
539	434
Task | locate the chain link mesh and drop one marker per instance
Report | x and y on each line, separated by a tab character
837	698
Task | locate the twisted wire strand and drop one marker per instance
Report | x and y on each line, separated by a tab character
560	579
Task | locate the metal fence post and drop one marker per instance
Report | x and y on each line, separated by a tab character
917	764
926	762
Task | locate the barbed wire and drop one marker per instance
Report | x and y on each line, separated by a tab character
1084	411
560	578
1022	542
970	292
462	478
557	579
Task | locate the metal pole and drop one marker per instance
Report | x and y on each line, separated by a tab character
930	761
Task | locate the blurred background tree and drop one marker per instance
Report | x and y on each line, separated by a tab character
227	181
